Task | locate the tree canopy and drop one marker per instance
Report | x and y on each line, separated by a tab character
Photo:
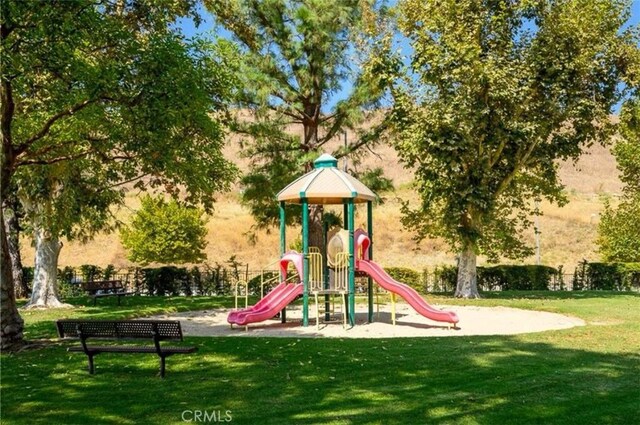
99	93
619	228
294	58
497	94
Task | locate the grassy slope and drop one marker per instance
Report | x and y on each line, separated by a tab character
567	233
584	375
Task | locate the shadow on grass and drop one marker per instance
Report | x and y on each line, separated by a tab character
40	324
489	380
558	295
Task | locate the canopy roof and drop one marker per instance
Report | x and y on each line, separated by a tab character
326	184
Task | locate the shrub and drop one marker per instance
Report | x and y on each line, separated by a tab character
67	283
90	272
499	278
255	282
408	276
444	279
165	232
27	277
607	276
516	277
167	281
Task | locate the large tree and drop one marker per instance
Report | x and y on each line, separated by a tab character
619	228
498	93
105	91
295	60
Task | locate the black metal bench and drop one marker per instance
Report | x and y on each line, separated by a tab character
105	288
152	330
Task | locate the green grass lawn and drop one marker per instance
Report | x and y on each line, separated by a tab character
584	375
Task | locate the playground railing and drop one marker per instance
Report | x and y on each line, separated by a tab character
236	285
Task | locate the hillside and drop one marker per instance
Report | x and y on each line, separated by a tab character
568	233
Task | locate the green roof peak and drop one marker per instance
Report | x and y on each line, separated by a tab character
325	161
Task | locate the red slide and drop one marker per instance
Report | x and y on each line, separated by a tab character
267	307
408	293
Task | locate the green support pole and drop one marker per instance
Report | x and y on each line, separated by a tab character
327	300
352	265
369	280
283	248
305	256
283	230
345	216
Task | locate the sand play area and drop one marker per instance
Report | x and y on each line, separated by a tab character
473	321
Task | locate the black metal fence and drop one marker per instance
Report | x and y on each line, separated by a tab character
219	280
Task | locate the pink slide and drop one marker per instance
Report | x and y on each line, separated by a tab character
267	307
408	293
275	300
231	318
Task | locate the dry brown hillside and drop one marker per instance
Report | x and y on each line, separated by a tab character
568	233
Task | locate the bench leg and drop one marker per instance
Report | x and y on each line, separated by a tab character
162	366
119	299
91	366
95	299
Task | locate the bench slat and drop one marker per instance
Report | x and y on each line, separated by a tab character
132	349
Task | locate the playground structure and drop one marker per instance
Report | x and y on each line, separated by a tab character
348	252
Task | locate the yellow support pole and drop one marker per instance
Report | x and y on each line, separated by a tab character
344	313
393	308
315	294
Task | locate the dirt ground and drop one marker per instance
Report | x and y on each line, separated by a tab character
473	321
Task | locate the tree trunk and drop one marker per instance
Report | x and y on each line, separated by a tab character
316	237
12	227
11	324
316	234
45	275
467	286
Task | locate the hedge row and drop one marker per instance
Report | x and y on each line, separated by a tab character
496	278
607	276
219	280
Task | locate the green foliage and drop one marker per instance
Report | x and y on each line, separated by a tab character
176	281
607	276
90	272
167	281
619	228
444	278
97	96
165	232
292	59
255	283
517	278
492	104
503	277
619	231
407	276
375	180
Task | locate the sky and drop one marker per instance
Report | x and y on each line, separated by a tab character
207	29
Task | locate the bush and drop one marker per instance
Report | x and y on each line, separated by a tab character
607	276
516	278
27	277
444	279
167	281
90	272
255	282
408	276
165	232
500	278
